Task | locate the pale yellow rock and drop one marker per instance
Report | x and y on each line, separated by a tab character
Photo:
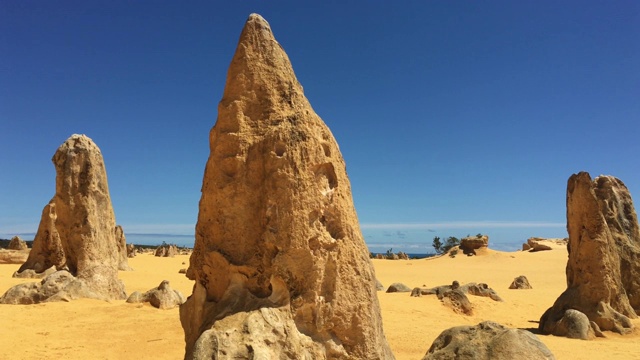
276	226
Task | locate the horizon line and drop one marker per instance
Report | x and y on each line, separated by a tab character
462	224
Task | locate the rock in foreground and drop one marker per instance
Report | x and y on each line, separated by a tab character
279	257
487	341
603	270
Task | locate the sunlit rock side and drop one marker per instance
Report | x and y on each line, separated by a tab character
279	257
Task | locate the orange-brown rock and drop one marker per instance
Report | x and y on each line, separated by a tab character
280	266
77	229
603	270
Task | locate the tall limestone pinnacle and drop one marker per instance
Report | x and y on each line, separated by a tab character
77	233
603	269
279	257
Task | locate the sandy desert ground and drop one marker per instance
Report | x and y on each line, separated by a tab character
91	329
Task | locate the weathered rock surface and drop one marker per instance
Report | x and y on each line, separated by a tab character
481	289
470	244
535	244
477	289
521	282
13	256
278	246
267	333
46	250
457	300
379	285
32	274
121	243
162	297
131	251
603	270
58	286
398	287
487	341
17	243
76	231
166	250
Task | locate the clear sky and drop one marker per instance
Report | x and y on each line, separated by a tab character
454	117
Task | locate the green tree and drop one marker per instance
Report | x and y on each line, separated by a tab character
452	241
437	245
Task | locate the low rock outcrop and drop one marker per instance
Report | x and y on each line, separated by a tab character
521	282
470	244
535	244
76	232
603	270
162	297
280	266
477	289
457	300
13	256
398	287
487	341
17	243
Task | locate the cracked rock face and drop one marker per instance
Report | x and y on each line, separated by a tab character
77	230
603	270
277	228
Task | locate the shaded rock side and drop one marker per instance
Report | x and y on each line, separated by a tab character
276	225
77	228
603	270
123	254
46	250
487	341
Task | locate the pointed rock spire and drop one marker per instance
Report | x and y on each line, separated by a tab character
278	245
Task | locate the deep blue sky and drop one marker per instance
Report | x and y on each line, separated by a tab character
462	112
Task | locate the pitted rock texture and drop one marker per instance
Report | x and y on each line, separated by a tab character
487	341
77	228
603	270
277	229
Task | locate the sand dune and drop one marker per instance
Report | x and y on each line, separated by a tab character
100	330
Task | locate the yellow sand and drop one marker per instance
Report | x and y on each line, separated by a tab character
91	329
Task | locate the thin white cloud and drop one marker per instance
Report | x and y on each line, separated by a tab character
463	224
